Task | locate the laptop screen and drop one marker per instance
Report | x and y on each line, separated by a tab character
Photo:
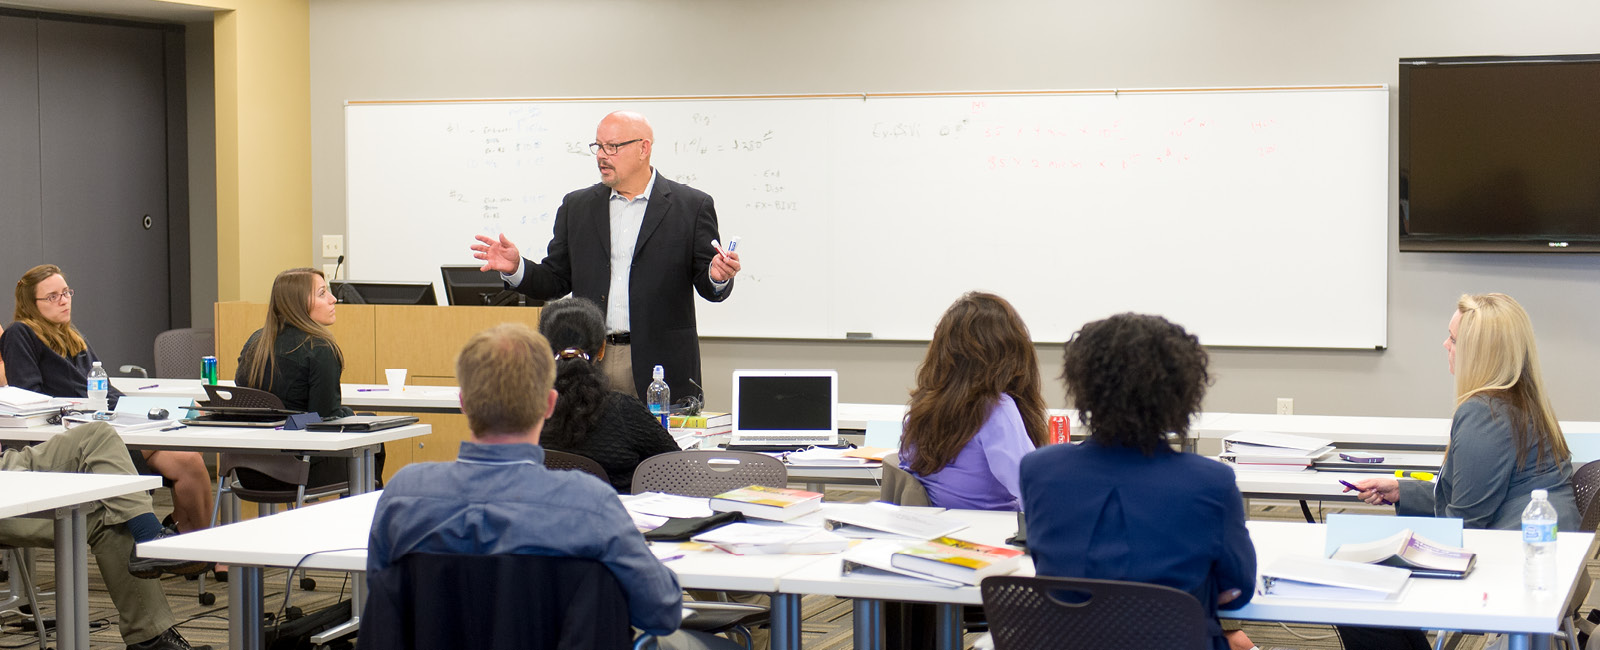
786	403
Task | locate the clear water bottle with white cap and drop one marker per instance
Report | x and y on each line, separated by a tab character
99	387
1539	543
659	397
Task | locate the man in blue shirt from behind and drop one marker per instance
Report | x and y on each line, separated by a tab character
498	497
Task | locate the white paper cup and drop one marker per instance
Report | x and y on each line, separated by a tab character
397	378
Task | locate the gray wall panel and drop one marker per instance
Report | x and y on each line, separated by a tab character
104	162
21	223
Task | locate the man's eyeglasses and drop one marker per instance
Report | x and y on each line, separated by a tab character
57	297
610	149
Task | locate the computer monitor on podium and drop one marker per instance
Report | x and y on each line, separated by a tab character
384	293
466	285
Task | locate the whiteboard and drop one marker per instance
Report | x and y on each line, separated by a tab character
1253	217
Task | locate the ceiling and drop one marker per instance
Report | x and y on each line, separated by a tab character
134	9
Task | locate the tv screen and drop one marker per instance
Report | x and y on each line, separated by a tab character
1500	154
384	293
466	285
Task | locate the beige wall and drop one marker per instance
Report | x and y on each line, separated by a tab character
383	49
366	49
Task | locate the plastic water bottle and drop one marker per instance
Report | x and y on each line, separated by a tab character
99	386
659	397
1539	543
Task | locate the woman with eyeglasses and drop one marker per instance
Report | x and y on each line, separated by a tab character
591	420
43	352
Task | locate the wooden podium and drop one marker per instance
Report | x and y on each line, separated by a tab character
422	339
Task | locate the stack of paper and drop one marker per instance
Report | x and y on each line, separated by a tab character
824	457
758	539
886	520
25	408
708	423
1273	451
1323	578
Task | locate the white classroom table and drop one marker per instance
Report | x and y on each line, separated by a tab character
357	447
64	495
1357	432
312	536
319	531
370	397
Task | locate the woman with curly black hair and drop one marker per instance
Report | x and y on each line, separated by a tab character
977	408
1125	505
590	419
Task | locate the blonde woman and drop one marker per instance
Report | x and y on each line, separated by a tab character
1504	439
44	352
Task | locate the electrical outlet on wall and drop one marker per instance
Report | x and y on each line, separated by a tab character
332	246
1285	406
328	270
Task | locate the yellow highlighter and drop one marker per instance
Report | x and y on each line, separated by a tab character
1421	476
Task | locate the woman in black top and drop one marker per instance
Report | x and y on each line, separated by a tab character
302	365
590	420
45	353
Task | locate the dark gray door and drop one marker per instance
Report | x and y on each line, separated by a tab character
21	225
103	161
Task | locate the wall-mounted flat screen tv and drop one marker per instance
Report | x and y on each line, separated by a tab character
1500	154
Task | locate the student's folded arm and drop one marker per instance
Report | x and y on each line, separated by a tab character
22	362
655	601
1236	562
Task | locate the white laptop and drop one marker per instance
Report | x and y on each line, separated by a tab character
785	408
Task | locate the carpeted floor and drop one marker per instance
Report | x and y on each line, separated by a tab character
827	619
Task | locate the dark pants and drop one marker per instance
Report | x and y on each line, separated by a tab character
1381	638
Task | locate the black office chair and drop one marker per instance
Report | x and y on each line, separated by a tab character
562	460
496	602
1039	613
234	471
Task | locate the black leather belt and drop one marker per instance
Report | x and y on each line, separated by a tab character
618	338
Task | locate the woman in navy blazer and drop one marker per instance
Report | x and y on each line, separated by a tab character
1125	505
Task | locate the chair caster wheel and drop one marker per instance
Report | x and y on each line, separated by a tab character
208	599
307	584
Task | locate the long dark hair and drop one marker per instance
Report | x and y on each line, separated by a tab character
576	330
289	306
980	350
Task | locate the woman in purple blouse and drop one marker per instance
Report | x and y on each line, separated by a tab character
977	408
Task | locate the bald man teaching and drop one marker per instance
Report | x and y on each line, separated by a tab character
637	244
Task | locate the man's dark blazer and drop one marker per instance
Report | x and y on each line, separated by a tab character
671	261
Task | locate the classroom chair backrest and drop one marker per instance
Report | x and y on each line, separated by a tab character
178	352
495	602
901	487
700	473
240	397
1038	613
562	460
1586	487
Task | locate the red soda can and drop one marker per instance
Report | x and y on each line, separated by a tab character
1060	429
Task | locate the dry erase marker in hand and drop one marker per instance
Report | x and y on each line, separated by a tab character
733	244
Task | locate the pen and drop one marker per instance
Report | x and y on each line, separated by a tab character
181	426
1353	487
372	390
150	387
1421	476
